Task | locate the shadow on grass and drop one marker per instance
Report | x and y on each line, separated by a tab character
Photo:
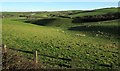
42	22
113	30
31	52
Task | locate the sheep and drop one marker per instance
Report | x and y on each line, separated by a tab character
96	35
80	35
89	26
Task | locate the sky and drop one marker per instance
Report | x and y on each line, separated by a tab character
54	6
59	0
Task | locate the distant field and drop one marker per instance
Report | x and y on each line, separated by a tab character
96	12
90	45
69	13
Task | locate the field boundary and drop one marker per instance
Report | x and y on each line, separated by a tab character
36	54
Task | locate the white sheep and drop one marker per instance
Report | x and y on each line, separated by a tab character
96	35
80	35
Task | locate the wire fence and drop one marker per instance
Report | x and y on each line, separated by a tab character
36	54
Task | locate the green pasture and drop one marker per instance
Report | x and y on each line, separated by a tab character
91	45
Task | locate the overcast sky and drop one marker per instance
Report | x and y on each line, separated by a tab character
54	6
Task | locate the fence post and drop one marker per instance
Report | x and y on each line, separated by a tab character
4	49
74	62
36	57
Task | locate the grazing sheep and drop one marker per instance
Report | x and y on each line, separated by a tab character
96	35
80	35
102	33
98	31
89	26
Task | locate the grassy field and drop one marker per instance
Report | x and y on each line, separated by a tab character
88	45
96	12
69	13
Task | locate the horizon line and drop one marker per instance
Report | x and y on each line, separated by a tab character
62	10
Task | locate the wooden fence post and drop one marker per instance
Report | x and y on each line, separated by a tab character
4	49
36	57
74	62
